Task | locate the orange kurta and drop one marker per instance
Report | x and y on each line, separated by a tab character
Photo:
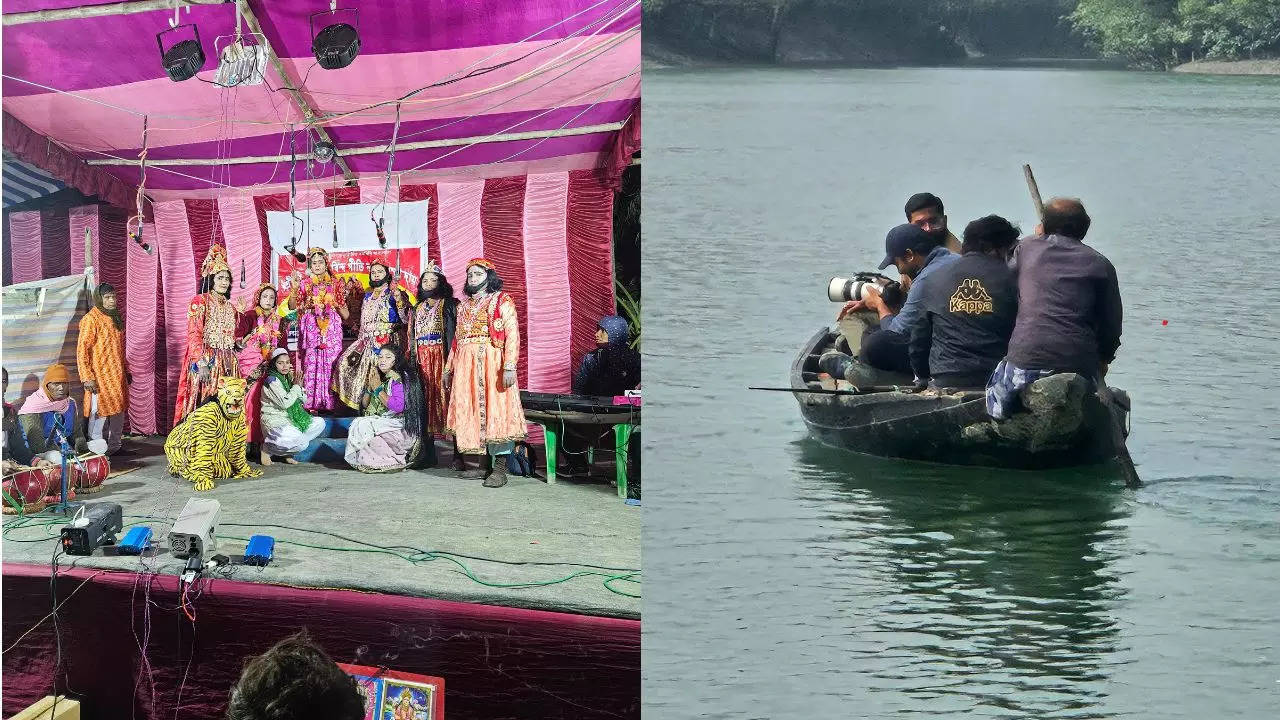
100	358
482	411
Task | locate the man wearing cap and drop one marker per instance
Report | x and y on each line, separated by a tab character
49	417
916	254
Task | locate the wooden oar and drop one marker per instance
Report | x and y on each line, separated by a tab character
1127	468
868	390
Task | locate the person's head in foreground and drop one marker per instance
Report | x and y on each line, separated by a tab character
1066	217
295	680
990	235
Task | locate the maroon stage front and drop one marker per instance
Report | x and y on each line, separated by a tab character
497	662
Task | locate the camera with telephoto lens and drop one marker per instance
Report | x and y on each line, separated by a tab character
842	289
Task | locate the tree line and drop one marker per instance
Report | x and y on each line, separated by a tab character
1146	33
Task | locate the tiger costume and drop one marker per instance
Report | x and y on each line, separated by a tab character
209	444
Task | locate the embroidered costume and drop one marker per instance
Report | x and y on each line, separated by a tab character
485	415
100	360
209	444
317	299
211	338
260	330
383	317
434	321
379	441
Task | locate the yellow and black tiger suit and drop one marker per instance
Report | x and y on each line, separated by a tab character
209	443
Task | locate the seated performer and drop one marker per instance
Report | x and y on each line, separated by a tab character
209	444
14	446
434	321
102	367
485	414
610	370
389	435
613	367
211	336
287	427
383	316
49	417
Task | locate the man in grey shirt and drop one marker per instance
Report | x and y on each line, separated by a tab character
1069	309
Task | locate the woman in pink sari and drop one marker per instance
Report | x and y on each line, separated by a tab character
320	300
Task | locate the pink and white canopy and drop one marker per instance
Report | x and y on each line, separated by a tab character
521	86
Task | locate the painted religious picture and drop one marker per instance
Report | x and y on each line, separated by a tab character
371	690
404	700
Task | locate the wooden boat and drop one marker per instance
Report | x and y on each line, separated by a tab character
1067	424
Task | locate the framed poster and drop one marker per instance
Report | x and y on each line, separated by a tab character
394	695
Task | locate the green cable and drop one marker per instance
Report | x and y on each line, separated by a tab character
414	558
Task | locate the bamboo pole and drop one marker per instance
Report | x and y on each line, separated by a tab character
379	149
92	11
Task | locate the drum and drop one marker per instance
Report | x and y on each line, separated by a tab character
88	474
24	491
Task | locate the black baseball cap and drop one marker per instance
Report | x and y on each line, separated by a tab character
920	201
903	238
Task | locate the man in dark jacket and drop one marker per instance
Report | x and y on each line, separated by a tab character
969	309
1069	309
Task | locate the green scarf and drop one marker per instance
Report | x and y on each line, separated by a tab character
298	415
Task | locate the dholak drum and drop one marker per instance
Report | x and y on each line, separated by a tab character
24	490
88	474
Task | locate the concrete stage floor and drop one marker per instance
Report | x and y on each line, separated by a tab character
567	526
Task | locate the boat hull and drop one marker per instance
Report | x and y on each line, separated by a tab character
953	430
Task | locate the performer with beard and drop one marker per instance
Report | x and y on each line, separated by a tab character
434	320
485	416
383	317
101	364
320	301
211	336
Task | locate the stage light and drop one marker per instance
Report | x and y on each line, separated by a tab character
323	151
337	44
183	59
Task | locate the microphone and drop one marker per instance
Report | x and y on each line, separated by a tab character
137	238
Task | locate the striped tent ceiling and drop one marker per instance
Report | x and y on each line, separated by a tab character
23	182
486	88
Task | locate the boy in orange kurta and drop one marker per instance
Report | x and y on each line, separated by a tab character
100	361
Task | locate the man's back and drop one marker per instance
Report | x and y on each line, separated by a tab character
971	305
1069	310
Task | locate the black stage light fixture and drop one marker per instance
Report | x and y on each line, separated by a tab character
183	59
337	44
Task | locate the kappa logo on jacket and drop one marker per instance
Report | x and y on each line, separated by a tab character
971	298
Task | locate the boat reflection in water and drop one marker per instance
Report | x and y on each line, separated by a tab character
973	587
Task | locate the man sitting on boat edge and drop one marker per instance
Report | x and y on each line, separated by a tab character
916	254
1069	308
969	310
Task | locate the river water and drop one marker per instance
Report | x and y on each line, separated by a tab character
787	580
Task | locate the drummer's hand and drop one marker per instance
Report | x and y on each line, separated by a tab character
90	386
849	308
43	463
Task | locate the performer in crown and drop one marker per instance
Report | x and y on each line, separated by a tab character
485	415
320	300
211	336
